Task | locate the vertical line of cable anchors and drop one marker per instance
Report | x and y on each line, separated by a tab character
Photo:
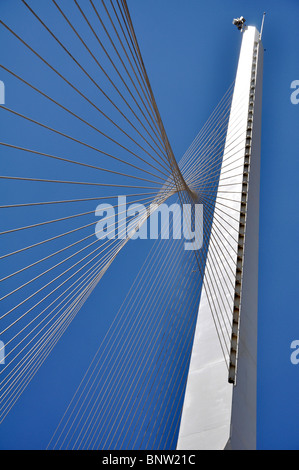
232	378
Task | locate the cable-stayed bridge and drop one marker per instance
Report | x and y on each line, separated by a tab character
175	365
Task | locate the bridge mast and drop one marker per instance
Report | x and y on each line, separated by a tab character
220	402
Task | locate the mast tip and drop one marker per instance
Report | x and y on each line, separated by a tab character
262	27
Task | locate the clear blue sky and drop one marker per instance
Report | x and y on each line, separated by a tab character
190	50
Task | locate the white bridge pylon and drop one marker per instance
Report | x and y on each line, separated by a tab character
220	402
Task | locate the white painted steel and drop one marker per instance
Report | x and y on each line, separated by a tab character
211	405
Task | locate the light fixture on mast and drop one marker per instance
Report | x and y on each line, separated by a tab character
239	23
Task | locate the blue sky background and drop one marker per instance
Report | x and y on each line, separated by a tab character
190	50
194	50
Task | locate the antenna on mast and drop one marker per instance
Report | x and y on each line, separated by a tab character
262	27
